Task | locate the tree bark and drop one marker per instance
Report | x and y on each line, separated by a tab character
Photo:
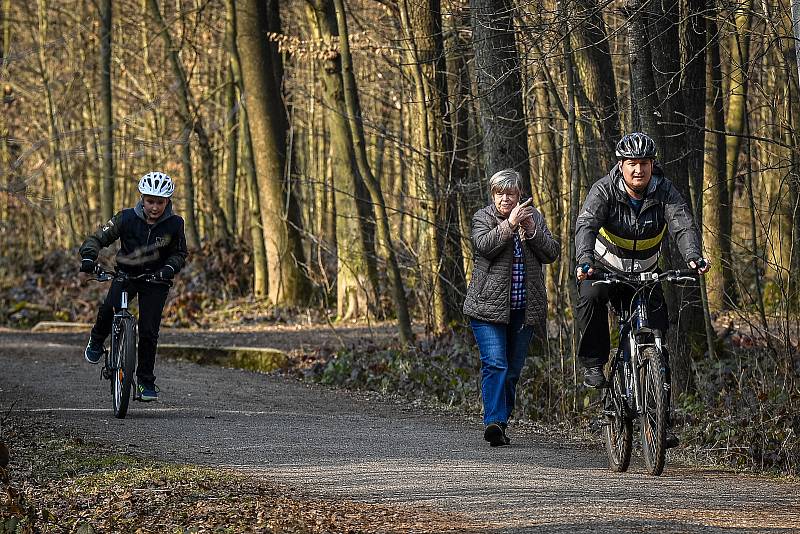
192	232
357	131
592	57
499	87
106	111
233	122
716	205
357	286
421	25
288	284
737	93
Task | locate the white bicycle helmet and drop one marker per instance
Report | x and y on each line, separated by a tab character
156	184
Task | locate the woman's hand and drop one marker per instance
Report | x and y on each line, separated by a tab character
529	225
521	212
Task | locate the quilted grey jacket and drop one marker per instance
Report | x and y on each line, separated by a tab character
489	292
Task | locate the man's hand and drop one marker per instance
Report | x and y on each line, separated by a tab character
584	271
165	274
520	212
701	264
88	266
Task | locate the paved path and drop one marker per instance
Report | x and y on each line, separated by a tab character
336	444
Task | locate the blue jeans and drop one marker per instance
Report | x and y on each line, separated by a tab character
503	350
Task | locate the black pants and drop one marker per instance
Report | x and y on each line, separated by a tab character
151	304
592	317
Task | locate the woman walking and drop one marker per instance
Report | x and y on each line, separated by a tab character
506	300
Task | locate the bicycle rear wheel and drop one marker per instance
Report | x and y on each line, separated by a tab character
124	366
618	430
653	420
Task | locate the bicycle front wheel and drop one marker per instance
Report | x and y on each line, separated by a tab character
124	367
654	409
618	429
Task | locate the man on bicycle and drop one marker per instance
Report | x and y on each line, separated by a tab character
152	241
620	229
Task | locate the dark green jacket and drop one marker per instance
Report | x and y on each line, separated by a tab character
489	292
144	248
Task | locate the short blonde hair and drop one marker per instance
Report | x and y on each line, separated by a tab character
505	180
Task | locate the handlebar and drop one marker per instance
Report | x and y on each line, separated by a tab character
105	276
675	275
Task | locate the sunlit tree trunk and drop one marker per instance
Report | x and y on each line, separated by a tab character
385	240
260	274
187	180
67	196
737	90
421	26
288	284
356	289
716	205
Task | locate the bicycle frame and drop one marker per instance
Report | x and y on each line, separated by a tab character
635	334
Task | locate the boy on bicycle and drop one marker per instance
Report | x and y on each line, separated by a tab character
152	241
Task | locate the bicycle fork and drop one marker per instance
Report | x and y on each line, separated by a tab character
106	371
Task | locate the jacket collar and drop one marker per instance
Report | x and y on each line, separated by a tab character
139	210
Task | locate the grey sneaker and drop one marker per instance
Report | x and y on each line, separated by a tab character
94	352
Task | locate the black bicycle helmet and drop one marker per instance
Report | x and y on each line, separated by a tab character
636	145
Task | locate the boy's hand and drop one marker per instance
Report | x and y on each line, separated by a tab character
165	273
88	266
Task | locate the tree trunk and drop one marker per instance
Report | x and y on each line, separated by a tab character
192	233
716	205
459	91
737	93
497	81
424	50
288	284
596	74
65	180
260	268
356	288
233	121
357	131
643	86
107	183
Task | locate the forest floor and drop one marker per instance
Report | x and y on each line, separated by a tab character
233	450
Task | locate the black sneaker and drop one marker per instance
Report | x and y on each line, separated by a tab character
494	435
672	440
93	352
593	377
504	426
146	392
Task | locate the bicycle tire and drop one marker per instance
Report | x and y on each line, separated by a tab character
653	419
124	358
618	431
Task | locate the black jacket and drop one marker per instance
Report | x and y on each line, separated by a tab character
489	292
610	234
144	248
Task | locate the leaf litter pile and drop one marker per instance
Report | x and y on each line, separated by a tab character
62	484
